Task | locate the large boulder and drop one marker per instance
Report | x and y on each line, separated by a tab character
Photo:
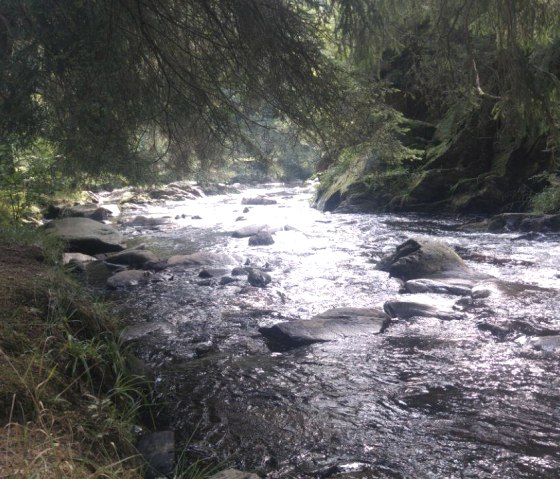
84	235
424	258
331	325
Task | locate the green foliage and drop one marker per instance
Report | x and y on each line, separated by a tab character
548	201
134	87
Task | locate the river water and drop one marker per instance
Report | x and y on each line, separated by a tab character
469	398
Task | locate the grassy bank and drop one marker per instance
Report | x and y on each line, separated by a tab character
67	403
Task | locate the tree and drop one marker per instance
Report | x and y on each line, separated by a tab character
117	84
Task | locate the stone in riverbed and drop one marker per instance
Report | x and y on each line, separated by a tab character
250	230
84	235
332	325
262	238
202	258
424	258
451	286
126	279
258	279
259	200
133	257
410	309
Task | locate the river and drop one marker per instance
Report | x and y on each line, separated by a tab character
427	398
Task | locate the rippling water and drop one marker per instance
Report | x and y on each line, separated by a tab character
425	399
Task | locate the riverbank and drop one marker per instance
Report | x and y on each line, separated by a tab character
67	402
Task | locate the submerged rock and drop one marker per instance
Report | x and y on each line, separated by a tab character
331	325
84	235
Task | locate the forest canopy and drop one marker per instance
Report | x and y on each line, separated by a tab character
129	87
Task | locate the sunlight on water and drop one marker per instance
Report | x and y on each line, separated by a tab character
465	397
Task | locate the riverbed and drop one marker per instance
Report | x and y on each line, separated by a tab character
427	398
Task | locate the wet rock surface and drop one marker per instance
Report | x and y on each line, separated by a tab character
331	325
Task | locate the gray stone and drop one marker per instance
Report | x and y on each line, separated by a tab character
411	309
225	280
424	258
239	271
202	258
158	449
77	258
87	236
262	238
140	330
234	474
133	257
332	325
258	278
259	200
91	211
452	286
250	230
145	222
125	279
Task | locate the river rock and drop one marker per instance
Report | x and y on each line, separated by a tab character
84	235
239	271
91	211
138	331
424	258
212	272
136	258
331	325
234	474
202	258
259	279
262	238
79	258
250	230
145	222
128	278
451	286
410	309
158	449
259	200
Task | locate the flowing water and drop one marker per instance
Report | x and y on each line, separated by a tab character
470	398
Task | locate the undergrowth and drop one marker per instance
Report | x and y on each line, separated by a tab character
67	401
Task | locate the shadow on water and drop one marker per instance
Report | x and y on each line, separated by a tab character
427	398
